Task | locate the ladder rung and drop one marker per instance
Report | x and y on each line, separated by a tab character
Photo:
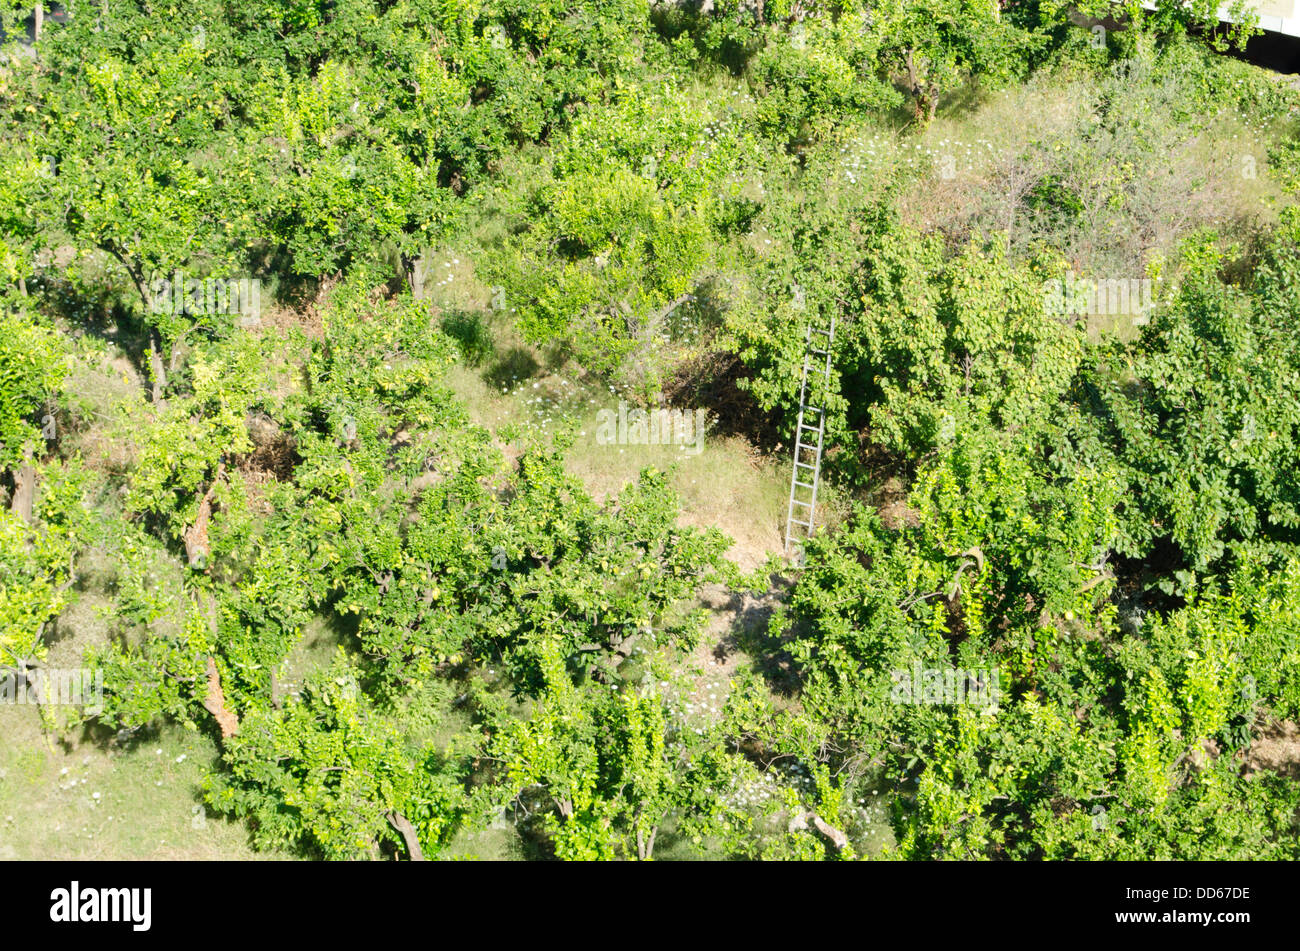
806	505
806	465
795	521
804	485
819	353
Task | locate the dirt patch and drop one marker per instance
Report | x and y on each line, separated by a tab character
278	320
106	394
734	618
83	624
1276	748
891	504
738	636
274	455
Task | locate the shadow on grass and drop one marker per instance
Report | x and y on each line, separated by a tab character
513	366
750	631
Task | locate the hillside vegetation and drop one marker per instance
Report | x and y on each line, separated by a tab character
317	323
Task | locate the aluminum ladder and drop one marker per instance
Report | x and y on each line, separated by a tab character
806	475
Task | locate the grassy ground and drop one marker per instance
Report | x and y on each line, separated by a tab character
88	798
722	482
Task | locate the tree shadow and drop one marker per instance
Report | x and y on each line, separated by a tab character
511	367
750	631
472	336
714	381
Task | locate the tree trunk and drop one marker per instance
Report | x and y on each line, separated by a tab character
215	703
838	838
146	299
416	274
177	354
157	371
196	535
403	825
24	488
645	847
39	14
913	80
